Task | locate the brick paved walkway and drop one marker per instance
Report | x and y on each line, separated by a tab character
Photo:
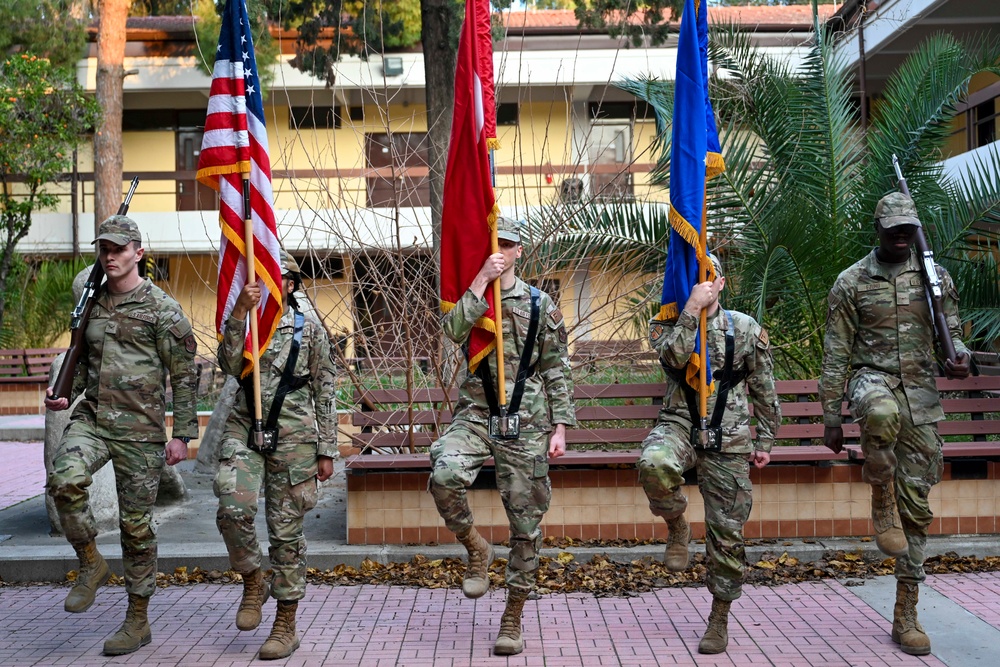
814	623
22	474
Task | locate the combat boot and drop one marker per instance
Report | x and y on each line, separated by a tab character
889	534
716	636
477	579
676	556
282	641
906	629
509	641
93	573
255	591
134	632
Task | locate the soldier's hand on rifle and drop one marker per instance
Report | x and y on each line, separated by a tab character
325	465
177	451
491	270
833	438
248	298
958	369
55	404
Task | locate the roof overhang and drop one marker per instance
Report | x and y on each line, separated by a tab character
893	29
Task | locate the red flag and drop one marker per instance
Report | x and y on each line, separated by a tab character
235	143
484	63
470	209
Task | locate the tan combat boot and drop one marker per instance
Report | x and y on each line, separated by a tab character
906	629
135	630
477	579
282	641
676	557
509	641
93	573
255	591
889	534
716	636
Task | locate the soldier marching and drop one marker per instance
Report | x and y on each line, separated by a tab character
136	336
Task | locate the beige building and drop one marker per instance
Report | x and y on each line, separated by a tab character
350	169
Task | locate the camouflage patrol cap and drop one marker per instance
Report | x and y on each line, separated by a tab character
118	229
288	263
896	209
717	264
509	229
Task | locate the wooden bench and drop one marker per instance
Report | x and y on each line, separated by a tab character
387	428
593	352
12	366
27	366
38	361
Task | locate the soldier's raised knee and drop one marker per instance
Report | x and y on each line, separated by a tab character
883	419
445	477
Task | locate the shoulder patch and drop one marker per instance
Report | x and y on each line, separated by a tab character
556	315
145	317
655	331
190	344
763	338
563	336
181	329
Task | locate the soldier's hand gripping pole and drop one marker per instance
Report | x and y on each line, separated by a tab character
932	281
63	386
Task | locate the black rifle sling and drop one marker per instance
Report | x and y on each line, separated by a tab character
524	369
727	380
288	382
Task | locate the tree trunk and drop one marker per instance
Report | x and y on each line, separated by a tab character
440	18
110	79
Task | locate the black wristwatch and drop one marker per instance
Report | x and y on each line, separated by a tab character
186	441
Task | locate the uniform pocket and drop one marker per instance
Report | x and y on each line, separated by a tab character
541	467
301	471
742	500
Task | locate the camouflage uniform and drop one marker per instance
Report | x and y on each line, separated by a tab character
521	465
307	429
723	477
880	341
130	349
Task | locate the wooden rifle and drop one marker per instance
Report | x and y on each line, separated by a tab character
63	386
932	281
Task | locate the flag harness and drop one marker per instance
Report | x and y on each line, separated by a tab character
287	384
505	423
727	380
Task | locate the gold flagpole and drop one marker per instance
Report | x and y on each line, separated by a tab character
252	278
703	326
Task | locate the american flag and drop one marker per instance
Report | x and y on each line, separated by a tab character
234	145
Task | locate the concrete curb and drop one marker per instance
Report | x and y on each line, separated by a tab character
51	563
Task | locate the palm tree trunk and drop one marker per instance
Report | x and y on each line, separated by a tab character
110	79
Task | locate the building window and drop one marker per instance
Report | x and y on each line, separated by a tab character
507	113
636	110
314	118
357	114
400	169
313	267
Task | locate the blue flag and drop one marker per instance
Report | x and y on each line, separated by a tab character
695	157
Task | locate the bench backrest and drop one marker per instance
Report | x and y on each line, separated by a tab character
11	363
385	415
39	360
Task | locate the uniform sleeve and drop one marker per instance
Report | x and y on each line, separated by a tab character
950	300
230	352
457	323
674	341
760	382
324	388
177	349
553	365
838	343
